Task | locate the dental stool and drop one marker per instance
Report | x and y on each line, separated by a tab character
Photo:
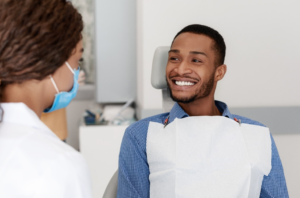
158	81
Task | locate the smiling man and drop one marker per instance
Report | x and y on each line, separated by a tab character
199	149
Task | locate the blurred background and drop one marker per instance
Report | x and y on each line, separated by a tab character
120	37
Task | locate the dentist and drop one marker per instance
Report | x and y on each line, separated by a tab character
40	46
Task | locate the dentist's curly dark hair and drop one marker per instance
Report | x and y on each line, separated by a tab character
36	38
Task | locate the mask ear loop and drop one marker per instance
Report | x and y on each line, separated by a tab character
70	67
54	84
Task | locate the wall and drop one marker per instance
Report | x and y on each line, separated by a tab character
262	47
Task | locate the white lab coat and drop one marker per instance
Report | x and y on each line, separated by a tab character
34	162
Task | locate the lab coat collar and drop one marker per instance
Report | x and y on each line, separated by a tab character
20	114
178	112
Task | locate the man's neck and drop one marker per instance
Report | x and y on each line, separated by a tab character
201	107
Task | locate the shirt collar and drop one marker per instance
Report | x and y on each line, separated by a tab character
178	112
20	114
223	108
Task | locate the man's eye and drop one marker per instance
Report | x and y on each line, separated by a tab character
197	61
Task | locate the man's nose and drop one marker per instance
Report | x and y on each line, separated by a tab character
183	68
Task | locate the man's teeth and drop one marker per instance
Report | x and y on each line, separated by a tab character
184	83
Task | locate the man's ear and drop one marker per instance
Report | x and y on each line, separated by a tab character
220	72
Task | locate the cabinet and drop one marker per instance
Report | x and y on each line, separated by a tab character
100	146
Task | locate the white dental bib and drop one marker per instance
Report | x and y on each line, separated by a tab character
207	157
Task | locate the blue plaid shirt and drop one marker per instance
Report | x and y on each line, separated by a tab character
133	181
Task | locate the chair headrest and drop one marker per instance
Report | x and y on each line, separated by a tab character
160	60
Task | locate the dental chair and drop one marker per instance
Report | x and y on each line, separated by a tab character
158	81
158	76
112	187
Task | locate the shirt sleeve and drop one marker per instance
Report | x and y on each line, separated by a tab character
133	177
274	185
67	176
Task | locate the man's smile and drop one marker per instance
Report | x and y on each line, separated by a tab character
184	83
179	83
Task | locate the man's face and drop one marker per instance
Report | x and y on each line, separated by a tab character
191	67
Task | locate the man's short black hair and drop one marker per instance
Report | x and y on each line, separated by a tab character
219	44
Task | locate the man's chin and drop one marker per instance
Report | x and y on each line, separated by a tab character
182	99
181	96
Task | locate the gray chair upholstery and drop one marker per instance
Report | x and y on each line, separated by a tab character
159	63
111	189
158	76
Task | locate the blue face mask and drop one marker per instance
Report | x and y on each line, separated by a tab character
63	99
